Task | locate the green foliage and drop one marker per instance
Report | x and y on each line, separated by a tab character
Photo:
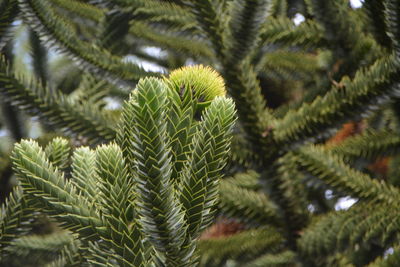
243	246
40	249
13	214
56	108
355	94
121	148
255	207
9	11
129	207
45	22
334	172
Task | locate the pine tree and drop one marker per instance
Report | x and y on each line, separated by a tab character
234	149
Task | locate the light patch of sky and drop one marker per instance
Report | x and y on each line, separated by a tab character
53	55
146	65
20	45
344	203
388	252
311	208
111	103
35	129
190	62
155	51
17	22
356	3
3	132
329	194
298	18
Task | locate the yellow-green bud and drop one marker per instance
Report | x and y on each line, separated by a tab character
204	83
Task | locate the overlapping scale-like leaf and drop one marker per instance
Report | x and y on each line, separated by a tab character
181	128
58	152
116	186
84	172
58	196
160	213
200	177
14	213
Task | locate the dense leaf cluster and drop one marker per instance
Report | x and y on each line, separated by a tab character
139	172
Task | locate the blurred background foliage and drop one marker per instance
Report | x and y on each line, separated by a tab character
313	178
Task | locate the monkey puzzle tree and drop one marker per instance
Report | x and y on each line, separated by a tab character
146	172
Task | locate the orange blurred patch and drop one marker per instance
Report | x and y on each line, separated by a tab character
348	129
222	228
380	166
